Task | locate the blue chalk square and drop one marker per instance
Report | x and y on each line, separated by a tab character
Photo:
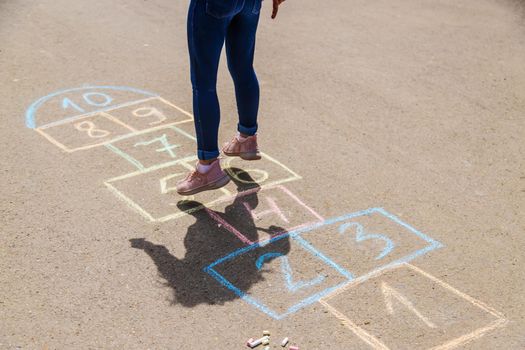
156	147
279	276
365	242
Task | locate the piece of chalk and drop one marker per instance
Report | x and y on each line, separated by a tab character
266	341
267	348
284	342
266	333
257	342
294	348
248	342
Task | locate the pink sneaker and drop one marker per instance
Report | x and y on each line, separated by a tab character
246	149
196	182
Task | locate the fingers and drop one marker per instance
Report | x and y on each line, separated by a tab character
276	4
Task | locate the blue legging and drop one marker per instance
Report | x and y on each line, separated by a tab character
210	24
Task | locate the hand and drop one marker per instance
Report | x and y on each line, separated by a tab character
276	4
138	243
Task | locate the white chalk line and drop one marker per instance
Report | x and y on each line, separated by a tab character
452	344
116	120
93	113
184	162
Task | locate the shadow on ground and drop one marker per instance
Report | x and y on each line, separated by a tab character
206	241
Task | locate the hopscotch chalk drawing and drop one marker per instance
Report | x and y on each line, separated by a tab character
428	312
361	256
367	241
154	205
141	128
293	281
279	207
91	116
338	251
154	148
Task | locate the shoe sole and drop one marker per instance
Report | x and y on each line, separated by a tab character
223	181
245	155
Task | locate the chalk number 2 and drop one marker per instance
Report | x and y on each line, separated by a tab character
286	269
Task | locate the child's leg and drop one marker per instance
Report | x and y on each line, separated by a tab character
205	40
240	48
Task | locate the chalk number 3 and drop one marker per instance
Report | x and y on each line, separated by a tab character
361	235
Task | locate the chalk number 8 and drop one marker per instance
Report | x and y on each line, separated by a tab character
91	129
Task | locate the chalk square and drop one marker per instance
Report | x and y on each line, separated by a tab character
261	214
366	241
72	104
407	301
151	192
84	133
154	148
151	113
266	172
290	278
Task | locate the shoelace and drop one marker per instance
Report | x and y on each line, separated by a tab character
234	141
193	175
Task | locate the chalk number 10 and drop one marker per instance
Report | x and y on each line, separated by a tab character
96	99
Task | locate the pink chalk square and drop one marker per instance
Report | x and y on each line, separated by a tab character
407	308
269	212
